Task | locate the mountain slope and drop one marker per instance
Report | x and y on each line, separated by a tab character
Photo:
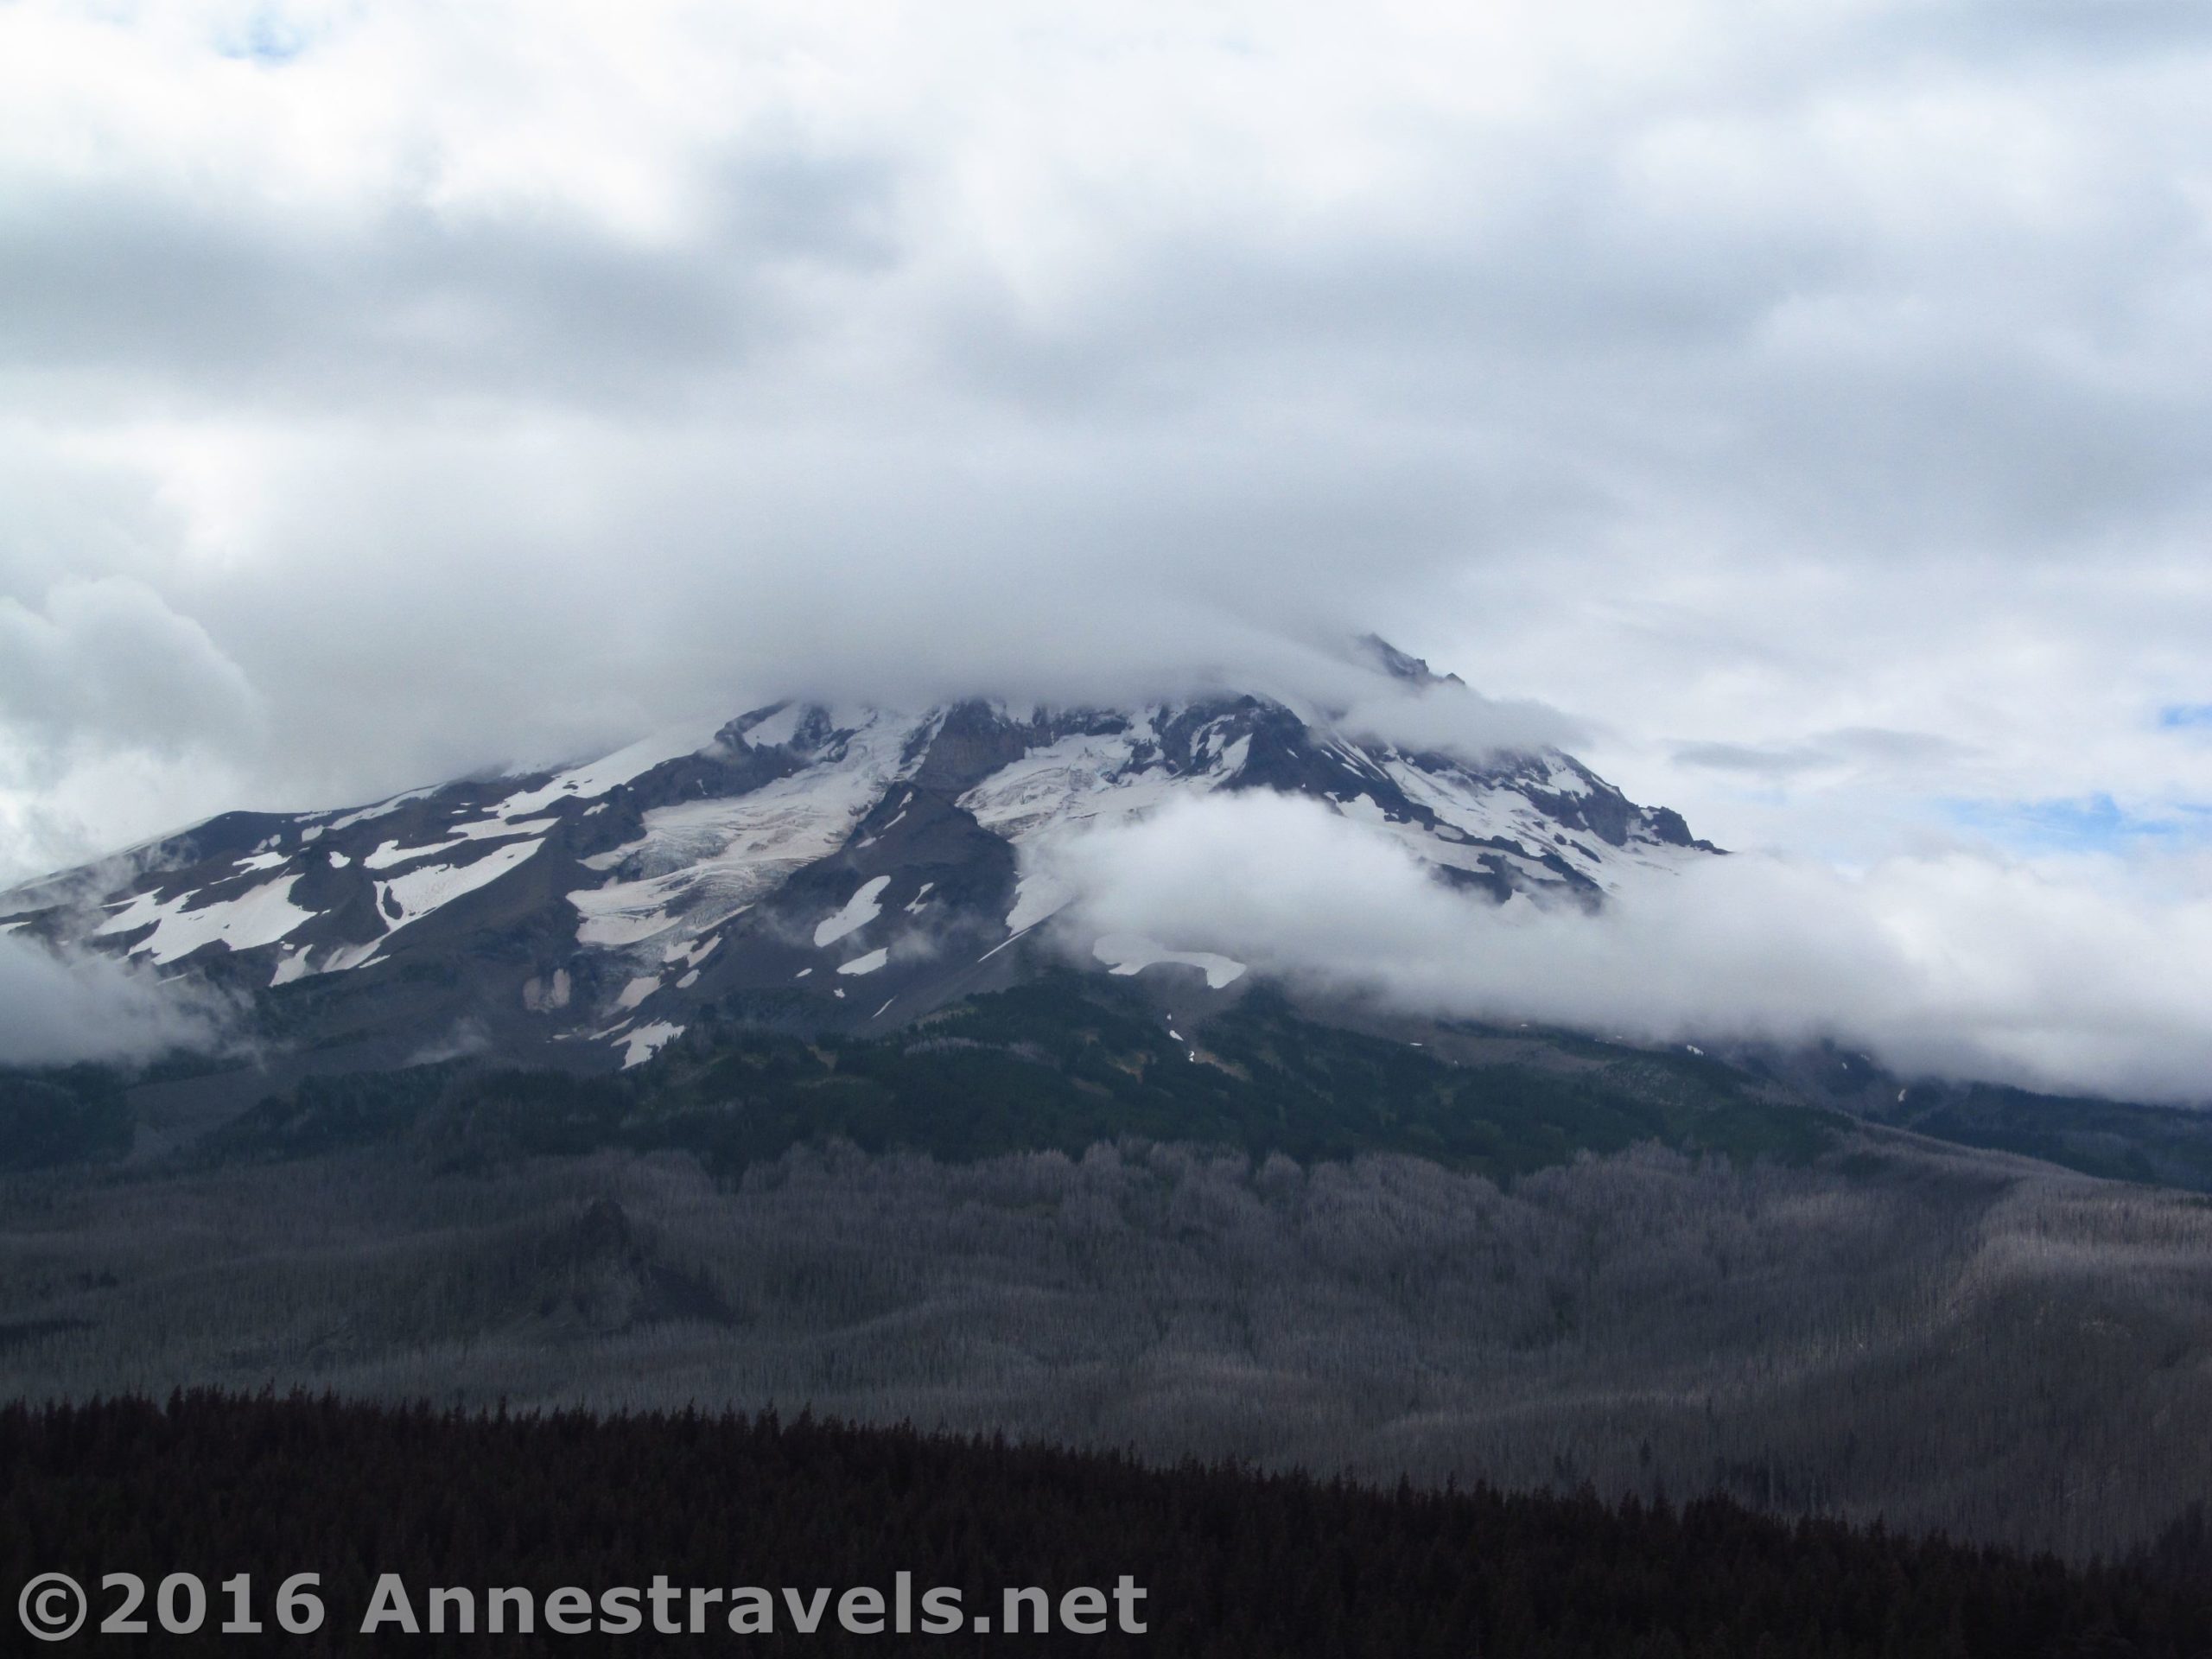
1062	1063
833	868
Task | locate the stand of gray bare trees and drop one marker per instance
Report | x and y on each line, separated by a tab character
1949	1339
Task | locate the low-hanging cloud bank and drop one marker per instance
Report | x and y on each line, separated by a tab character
1814	396
2051	976
55	1010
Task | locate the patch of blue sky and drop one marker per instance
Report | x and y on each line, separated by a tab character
2185	717
267	36
2087	823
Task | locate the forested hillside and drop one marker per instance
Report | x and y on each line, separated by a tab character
1073	1212
1058	1064
1950	1338
1068	1060
1230	1562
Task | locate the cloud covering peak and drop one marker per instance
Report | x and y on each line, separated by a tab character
1811	401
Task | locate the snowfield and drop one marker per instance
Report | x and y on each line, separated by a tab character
260	916
859	909
702	862
657	872
1128	953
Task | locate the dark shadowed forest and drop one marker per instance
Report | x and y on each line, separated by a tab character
1230	1562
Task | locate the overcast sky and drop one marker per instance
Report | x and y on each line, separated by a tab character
1811	402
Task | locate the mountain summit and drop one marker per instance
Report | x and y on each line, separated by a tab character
837	867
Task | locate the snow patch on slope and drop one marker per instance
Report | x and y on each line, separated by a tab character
641	1044
1078	778
701	863
859	909
423	891
374	809
390	852
1132	953
259	916
611	772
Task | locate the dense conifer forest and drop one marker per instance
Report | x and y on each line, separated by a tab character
1231	1562
1061	1064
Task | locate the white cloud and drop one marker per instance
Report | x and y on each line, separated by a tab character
1812	400
109	664
2062	975
54	1010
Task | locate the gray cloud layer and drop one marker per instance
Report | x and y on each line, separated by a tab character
1720	378
1812	403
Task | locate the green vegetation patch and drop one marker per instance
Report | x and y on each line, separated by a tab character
1062	1063
2168	1146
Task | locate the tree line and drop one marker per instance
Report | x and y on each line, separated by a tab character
1232	1561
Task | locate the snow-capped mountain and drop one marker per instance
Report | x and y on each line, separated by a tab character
845	867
